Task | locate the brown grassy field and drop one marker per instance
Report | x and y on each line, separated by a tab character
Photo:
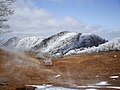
18	70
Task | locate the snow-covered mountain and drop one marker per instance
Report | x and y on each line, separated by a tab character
65	41
58	44
88	40
22	44
25	44
113	45
10	43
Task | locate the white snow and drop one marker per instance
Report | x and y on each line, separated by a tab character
57	76
25	44
102	83
71	52
112	45
58	41
114	77
49	87
88	40
108	46
98	87
57	45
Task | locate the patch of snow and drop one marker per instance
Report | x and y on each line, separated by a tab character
49	87
113	87
71	52
40	86
57	76
114	77
88	87
102	83
98	87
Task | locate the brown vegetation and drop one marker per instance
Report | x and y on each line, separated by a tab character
18	70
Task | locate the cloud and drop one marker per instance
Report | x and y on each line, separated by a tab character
29	19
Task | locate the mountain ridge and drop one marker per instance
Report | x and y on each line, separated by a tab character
57	44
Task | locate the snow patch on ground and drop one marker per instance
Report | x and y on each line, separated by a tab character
114	77
49	87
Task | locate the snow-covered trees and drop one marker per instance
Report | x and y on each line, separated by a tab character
113	45
5	12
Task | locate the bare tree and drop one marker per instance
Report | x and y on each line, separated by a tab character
5	12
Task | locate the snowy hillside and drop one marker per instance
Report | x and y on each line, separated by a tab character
63	42
11	43
88	40
22	44
25	44
58	44
113	45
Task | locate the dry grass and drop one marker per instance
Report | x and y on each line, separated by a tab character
19	70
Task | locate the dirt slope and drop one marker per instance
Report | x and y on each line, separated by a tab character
17	70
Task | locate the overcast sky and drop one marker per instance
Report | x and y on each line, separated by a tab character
47	17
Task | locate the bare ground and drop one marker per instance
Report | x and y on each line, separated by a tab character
18	70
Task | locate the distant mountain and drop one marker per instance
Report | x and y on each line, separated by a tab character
58	44
11	43
63	42
25	44
88	40
113	45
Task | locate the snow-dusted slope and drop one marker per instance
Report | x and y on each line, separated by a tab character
58	43
88	40
61	43
55	45
22	44
10	43
113	45
25	44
